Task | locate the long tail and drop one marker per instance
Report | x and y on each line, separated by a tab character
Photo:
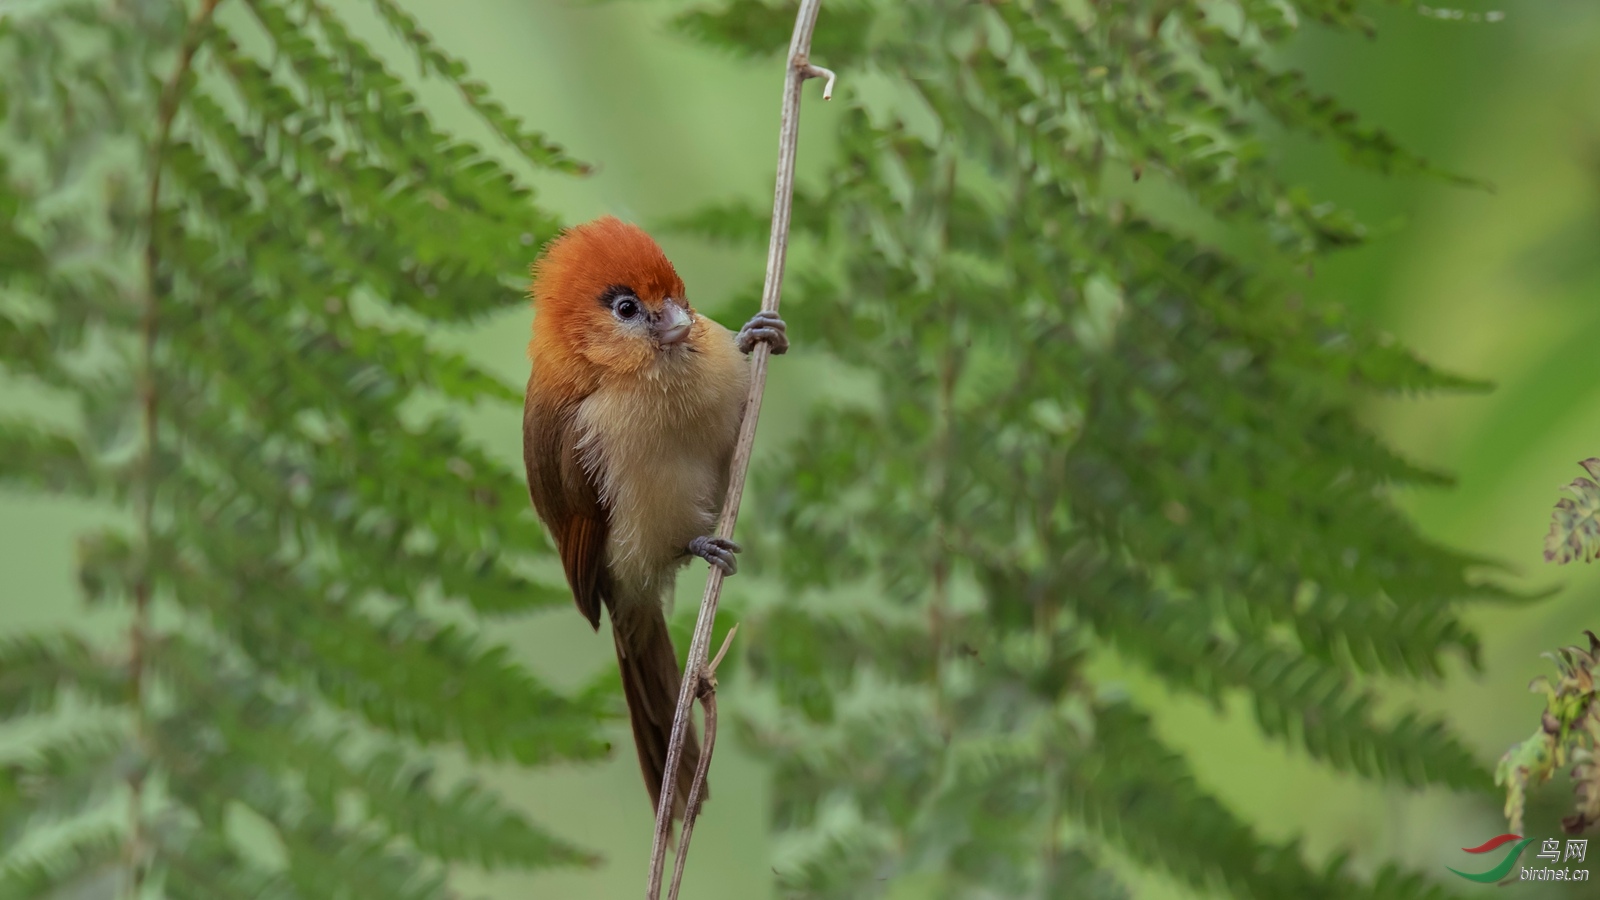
650	683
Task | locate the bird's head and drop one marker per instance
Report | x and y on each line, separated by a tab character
605	294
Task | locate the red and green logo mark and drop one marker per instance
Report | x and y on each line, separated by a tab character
1506	865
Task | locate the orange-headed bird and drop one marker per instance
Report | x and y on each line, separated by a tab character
632	412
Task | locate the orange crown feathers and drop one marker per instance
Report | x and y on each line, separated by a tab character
586	259
577	267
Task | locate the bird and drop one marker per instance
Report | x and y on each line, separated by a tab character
633	408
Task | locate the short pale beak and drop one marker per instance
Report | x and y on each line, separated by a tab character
673	325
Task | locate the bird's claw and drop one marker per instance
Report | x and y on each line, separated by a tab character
766	328
718	552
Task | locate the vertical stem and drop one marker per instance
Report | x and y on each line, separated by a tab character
1052	845
139	630
939	601
708	703
799	69
943	453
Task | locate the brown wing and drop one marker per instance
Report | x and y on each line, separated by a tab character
566	500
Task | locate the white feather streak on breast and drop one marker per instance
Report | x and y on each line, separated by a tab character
656	445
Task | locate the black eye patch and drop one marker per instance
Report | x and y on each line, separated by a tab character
621	300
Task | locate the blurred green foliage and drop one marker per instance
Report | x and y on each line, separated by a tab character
228	262
1081	428
1498	285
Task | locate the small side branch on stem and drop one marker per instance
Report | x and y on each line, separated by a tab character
706	693
698	677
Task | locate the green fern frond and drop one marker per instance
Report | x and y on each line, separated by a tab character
1296	698
761	28
44	460
743	224
1287	96
466	823
19	254
401	671
431	59
396	128
1071	427
203	866
62	778
843	851
1142	798
312	559
86	863
36	669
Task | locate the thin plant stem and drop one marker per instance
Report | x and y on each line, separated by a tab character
799	69
171	100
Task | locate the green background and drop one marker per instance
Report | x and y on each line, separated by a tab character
1503	285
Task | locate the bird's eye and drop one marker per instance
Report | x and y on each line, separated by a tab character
626	308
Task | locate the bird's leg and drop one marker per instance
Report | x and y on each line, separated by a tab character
718	552
766	328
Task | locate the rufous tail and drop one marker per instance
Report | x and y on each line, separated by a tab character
650	683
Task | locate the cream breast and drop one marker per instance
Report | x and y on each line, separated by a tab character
658	445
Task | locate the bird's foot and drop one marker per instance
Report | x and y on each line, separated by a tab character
766	328
718	552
